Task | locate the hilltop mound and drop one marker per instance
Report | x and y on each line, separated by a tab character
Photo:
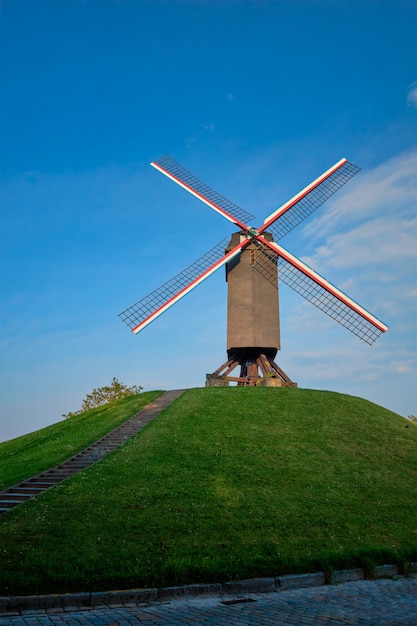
226	484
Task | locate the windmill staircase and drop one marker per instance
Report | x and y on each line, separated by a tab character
22	491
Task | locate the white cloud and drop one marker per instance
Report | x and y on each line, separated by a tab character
366	240
376	242
402	369
412	95
208	127
389	190
342	358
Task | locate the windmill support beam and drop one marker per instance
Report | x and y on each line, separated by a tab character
255	371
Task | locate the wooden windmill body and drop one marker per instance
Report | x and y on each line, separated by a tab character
253	325
252	300
254	259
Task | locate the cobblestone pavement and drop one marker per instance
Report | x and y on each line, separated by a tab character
380	603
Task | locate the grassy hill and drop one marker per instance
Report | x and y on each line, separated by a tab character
224	484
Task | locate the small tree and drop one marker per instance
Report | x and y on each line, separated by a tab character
104	395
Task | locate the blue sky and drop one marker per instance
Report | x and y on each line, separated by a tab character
257	99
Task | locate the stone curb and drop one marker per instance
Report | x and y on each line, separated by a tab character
121	597
346	576
170	593
301	581
251	585
386	571
88	600
84	599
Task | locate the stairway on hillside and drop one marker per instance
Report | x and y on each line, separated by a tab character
15	495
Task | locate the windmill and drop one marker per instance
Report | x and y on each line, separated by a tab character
254	261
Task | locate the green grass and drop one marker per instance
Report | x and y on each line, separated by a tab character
34	453
226	484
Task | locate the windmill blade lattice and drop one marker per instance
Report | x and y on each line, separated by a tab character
174	170
303	208
327	302
139	312
266	261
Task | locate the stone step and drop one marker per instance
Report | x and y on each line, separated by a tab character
13	496
30	490
47	483
42	484
49	474
84	463
113	441
57	477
